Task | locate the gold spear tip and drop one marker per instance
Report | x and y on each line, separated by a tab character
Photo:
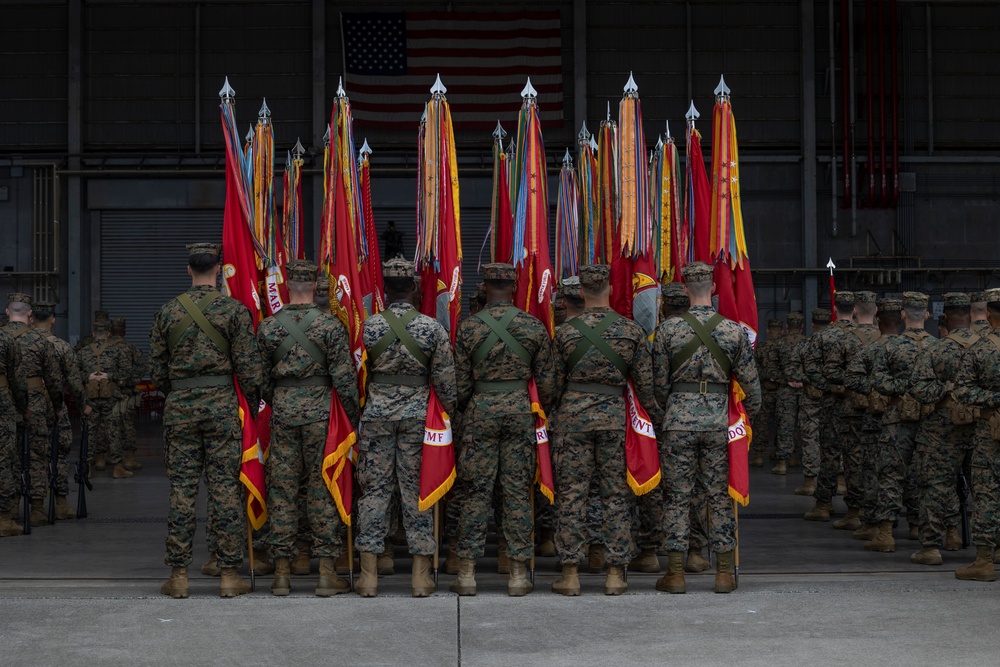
226	92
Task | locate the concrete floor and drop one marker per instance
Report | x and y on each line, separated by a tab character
87	592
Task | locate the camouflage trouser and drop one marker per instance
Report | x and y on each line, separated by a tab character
986	488
869	463
576	459
296	451
650	510
545	512
65	445
595	512
831	434
128	428
390	456
698	538
944	450
491	447
9	467
211	448
39	445
689	457
764	420
809	413
896	487
786	409
850	441
106	430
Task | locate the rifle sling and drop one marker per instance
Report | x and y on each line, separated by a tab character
702	337
592	338
500	333
297	334
195	314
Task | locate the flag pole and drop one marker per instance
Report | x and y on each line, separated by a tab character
350	554
736	552
531	572
253	575
437	540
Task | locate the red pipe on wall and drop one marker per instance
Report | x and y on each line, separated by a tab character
845	93
870	94
883	186
893	60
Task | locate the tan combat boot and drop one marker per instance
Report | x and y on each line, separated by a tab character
866	532
646	561
820	512
451	562
367	585
329	583
546	545
725	582
673	580
101	462
120	473
63	510
465	583
757	460
952	539
914	533
131	462
384	564
883	541
595	559
850	521
301	565
614	583
343	565
569	582
282	584
262	565
808	487
927	556
518	585
982	570
841	485
177	585
780	468
696	562
38	515
503	558
794	460
421	582
8	528
231	584
211	568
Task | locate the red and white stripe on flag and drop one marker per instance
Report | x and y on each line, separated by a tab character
484	59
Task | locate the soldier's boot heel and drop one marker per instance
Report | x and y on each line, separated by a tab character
518	585
850	521
63	510
282	584
673	580
696	562
646	562
421	582
820	512
301	565
546	544
927	556
451	562
725	581
367	584
38	514
569	582
211	568
8	528
614	583
329	583
952	539
120	472
232	584
883	541
981	570
595	559
384	564
177	585
465	583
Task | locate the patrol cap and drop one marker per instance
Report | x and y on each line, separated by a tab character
117	322
977	297
844	298
674	294
774	324
795	319
18	297
914	300
864	297
204	249
323	287
594	277
43	308
570	286
890	304
101	314
302	271
697	272
499	271
820	315
957	300
397	267
992	295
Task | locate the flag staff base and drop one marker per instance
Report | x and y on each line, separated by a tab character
736	552
437	541
531	568
350	555
253	575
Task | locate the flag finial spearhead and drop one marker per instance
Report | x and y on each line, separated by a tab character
722	90
668	135
499	133
593	143
830	265
692	114
226	93
567	159
298	150
584	135
438	88
249	136
326	135
659	143
340	88
630	88
365	151
529	91
609	111
288	160
265	113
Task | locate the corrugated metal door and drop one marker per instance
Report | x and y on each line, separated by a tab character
143	261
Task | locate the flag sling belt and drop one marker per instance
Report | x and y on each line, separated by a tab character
702	337
592	338
297	334
397	331
196	315
499	333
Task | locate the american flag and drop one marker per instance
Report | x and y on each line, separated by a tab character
484	59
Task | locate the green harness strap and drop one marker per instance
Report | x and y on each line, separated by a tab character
499	333
592	338
297	334
397	331
196	315
702	337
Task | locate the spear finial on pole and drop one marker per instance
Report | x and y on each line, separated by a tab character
365	151
631	90
249	136
722	90
584	135
692	114
567	160
670	138
593	143
298	150
340	88
529	91
830	265
288	160
499	133
264	114
438	89
226	93
326	135
609	111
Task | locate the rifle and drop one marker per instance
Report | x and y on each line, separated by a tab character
963	506
82	474
53	472
26	478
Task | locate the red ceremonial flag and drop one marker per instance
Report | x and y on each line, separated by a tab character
740	436
338	465
543	467
437	461
501	218
373	257
698	203
390	56
833	294
642	454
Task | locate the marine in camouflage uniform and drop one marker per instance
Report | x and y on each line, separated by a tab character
692	385
893	377
42	319
100	315
977	383
201	416
810	405
588	428
13	406
786	404
408	354
45	397
857	379
943	446
770	373
498	437
130	401
305	355
980	314
106	372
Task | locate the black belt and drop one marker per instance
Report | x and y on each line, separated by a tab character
202	382
586	388
700	387
311	381
404	380
501	385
